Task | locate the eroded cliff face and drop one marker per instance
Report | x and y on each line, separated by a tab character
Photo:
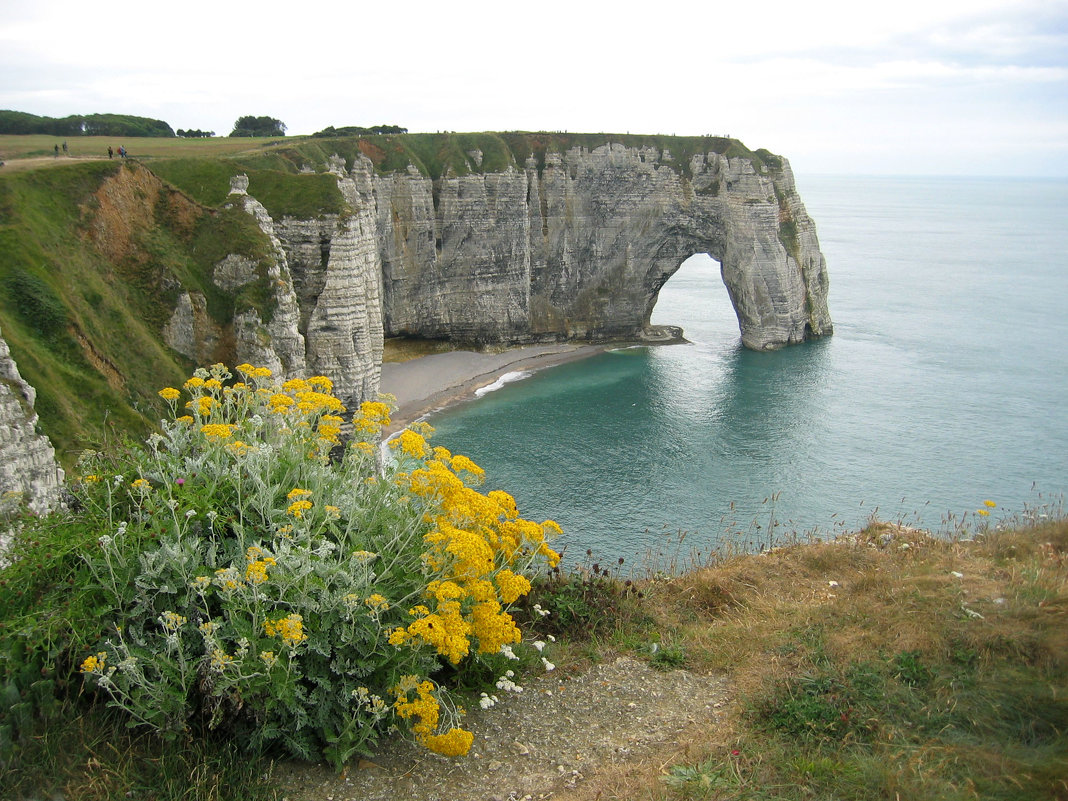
29	473
324	280
579	248
576	247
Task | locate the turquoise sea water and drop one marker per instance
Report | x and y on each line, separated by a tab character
945	384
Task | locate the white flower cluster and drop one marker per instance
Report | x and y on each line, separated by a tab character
505	683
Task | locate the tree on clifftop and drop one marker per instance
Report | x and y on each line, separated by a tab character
258	126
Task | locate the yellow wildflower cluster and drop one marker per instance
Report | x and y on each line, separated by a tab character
377	602
410	443
256	571
171	621
427	711
141	485
372	417
249	371
289	628
454	743
474	542
220	660
220	430
221	408
227	578
94	663
298	508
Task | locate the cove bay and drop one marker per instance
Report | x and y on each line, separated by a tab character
943	386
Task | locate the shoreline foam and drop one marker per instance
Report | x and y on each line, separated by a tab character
431	383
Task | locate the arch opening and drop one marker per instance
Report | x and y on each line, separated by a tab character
695	299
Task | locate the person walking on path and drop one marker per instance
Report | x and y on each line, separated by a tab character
111	152
57	152
65	151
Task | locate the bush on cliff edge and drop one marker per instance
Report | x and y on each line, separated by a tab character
246	572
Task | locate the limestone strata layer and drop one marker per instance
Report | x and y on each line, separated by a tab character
576	248
29	472
579	248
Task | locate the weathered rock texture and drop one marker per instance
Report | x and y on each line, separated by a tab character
326	312
579	248
576	247
29	472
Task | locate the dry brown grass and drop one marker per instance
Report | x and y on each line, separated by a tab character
999	602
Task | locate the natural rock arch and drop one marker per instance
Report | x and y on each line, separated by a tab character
578	247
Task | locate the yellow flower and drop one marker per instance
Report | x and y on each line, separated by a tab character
254	372
298	493
256	572
169	394
227	578
455	743
982	512
461	463
322	383
425	706
289	628
94	664
279	403
512	586
298	508
194	383
990	504
220	660
296	385
410	443
377	602
141	484
171	621
220	430
269	658
185	418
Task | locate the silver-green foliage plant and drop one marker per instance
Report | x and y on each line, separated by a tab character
267	578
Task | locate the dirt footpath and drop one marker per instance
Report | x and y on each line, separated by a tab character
560	736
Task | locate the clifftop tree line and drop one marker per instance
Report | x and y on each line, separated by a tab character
23	123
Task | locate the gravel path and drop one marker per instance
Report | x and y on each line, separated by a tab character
557	734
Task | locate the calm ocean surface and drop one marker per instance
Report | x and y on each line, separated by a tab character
945	384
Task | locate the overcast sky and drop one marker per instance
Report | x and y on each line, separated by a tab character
911	87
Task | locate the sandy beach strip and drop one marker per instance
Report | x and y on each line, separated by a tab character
430	383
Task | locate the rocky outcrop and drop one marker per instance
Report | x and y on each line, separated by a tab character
579	247
327	280
574	246
29	473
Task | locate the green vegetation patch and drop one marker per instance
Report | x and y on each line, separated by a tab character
246	577
273	177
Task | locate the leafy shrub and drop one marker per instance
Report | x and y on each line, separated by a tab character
256	584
